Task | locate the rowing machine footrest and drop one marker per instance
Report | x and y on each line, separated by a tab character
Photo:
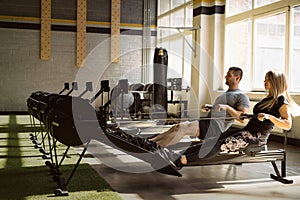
253	150
281	179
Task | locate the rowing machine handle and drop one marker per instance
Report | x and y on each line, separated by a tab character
247	116
206	107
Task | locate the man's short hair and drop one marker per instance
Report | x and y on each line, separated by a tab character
237	71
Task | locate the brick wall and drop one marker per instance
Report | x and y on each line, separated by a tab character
23	72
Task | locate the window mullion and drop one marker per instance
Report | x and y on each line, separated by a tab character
287	43
252	52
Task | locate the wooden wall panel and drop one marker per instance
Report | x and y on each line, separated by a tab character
81	33
45	30
115	31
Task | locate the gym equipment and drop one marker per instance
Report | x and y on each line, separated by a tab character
160	92
73	121
43	106
38	106
176	85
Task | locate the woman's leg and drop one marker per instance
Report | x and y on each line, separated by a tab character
238	141
205	150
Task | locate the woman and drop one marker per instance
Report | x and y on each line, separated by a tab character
273	110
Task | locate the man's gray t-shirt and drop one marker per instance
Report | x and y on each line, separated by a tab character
234	98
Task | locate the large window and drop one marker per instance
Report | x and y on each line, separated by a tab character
259	3
238	42
237	6
295	49
263	35
269	46
173	14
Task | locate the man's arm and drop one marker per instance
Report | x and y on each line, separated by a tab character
243	104
232	112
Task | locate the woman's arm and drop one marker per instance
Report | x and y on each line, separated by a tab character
285	120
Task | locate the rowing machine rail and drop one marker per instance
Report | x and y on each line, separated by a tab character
252	157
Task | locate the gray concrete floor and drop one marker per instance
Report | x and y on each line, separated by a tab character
133	179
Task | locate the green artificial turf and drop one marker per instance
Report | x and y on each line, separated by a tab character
24	175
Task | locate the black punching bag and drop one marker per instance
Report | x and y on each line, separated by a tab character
160	91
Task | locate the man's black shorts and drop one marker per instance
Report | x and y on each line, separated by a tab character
209	128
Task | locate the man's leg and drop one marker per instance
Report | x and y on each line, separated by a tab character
176	133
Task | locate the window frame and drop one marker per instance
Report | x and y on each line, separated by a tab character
259	13
286	46
173	34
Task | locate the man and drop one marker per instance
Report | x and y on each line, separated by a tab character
227	107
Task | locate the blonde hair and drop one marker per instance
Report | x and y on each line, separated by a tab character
279	87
